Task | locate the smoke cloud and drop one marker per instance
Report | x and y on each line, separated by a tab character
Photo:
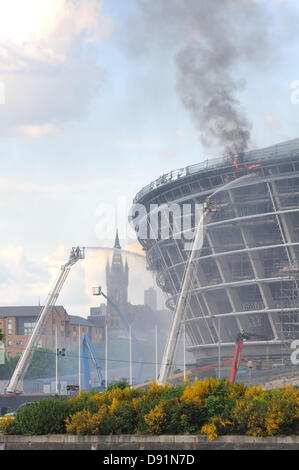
210	41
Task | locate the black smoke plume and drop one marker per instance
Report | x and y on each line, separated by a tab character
210	40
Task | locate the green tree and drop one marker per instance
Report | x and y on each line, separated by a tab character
42	365
2	336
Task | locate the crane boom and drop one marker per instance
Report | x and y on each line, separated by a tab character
175	331
238	351
89	352
25	359
122	317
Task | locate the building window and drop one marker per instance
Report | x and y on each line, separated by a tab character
9	354
9	343
9	326
19	343
25	325
28	328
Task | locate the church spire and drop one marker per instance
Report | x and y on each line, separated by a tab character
117	244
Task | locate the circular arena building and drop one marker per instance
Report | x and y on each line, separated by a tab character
247	269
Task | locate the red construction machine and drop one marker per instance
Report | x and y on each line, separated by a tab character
238	351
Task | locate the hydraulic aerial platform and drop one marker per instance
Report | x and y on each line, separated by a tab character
25	359
87	351
172	345
175	330
238	351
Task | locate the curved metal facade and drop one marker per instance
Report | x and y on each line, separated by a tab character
247	271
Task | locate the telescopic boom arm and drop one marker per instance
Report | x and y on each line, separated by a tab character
25	359
238	351
175	331
89	352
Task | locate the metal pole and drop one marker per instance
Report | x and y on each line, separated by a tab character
56	352
106	356
79	358
130	337
184	352
219	352
156	353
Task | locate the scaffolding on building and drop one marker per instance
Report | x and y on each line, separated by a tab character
288	303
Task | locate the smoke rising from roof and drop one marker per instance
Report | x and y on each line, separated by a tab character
210	40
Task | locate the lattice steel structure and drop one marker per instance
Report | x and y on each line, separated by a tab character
243	276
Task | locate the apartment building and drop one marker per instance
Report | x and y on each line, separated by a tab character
17	324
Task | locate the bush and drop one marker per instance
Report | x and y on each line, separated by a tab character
122	385
212	407
46	416
156	419
266	413
184	418
6	424
85	423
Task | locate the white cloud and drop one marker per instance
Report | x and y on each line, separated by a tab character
48	60
43	31
22	280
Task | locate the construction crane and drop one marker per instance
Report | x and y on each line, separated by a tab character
175	331
238	351
25	359
172	345
88	352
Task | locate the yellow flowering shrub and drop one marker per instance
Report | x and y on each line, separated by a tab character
85	423
214	427
273	419
247	418
98	400
210	430
156	419
253	391
238	390
6	423
113	405
78	396
211	406
155	390
200	390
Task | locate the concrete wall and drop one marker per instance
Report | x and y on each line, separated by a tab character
172	443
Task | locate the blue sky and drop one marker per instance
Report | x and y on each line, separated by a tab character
86	121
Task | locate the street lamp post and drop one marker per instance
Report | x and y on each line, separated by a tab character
219	350
184	352
79	359
130	341
156	342
59	352
106	355
56	365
